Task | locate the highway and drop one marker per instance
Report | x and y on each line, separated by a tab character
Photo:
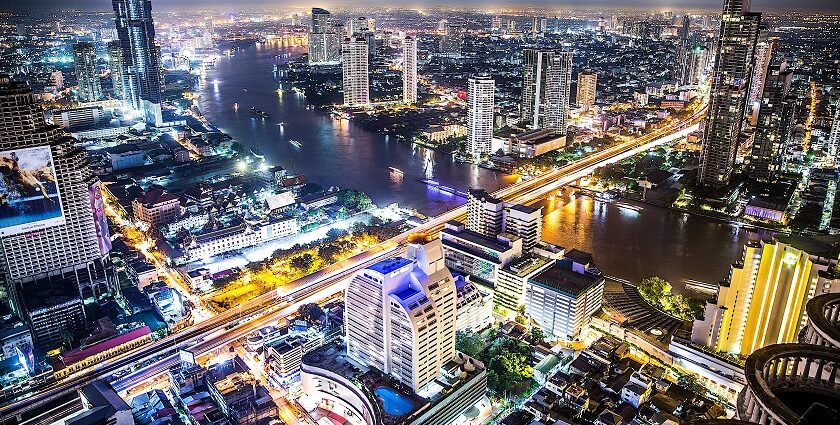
274	305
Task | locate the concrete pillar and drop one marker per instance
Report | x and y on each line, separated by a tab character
763	417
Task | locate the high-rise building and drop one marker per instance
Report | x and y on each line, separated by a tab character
410	69
685	28
535	26
324	39
116	66
834	136
729	92
770	141
525	222
354	54
763	301
763	54
59	256
586	88
321	20
84	59
691	64
357	26
485	214
480	104
496	24
400	315
546	80
452	41
141	57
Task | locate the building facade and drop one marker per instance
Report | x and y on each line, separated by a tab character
84	61
770	142
546	81
485	214
324	40
410	69
140	57
763	301
480	106
354	55
400	315
525	222
587	83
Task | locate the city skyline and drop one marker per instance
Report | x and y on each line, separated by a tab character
676	5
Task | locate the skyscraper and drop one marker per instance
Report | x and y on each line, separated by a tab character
834	136
141	58
410	69
586	88
354	53
763	301
116	66
768	150
763	54
480	104
84	59
400	315
546	80
452	42
692	61
729	92
64	246
324	40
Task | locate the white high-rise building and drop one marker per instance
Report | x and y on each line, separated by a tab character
586	88
410	69
480	104
400	315
525	222
354	53
546	82
84	59
834	136
452	42
485	214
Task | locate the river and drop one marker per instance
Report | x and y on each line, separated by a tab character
625	243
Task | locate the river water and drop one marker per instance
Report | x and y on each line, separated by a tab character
626	243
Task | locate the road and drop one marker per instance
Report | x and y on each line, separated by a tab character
276	304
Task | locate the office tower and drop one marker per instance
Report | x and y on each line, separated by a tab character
535	26
357	25
410	69
763	301
525	222
511	25
141	58
116	66
354	54
400	315
546	78
586	88
562	297
485	214
480	104
691	64
84	59
763	54
768	150
452	42
321	20
496	24
54	259
729	91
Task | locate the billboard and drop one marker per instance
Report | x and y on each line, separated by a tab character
29	198
97	205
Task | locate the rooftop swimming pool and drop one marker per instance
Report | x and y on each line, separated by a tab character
394	403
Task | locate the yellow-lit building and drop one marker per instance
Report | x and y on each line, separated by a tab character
763	301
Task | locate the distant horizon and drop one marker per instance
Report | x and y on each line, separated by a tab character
477	5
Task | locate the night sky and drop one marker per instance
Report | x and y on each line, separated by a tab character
758	5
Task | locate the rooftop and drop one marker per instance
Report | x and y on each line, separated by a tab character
390	265
560	277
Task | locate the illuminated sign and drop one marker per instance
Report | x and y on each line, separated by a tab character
29	198
97	205
789	258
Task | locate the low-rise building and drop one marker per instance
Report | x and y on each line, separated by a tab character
283	355
156	206
475	306
476	255
509	292
100	405
534	143
239	395
215	242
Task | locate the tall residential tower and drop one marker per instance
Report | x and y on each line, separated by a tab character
546	78
84	59
141	57
354	53
480	104
410	69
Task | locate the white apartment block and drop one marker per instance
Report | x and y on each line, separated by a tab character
525	222
562	298
400	315
485	214
410	69
354	54
480	106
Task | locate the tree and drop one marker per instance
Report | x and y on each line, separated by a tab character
469	343
302	262
654	289
310	312
537	333
690	382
